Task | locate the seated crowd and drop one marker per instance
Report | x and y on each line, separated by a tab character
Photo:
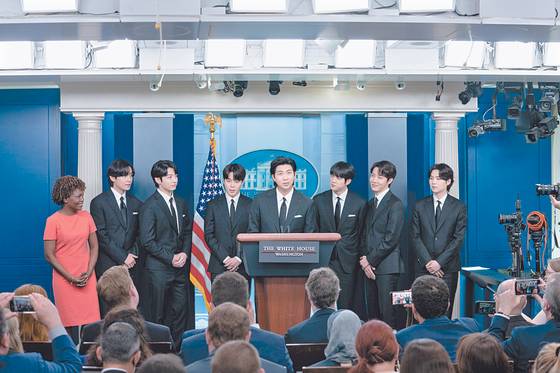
233	343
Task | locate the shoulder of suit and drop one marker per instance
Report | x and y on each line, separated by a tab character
245	198
269	336
355	196
299	194
326	194
271	193
216	200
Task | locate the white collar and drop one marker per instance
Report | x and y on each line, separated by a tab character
288	196
381	195
235	199
442	200
342	196
118	195
165	196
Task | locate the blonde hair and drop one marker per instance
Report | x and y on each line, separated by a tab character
31	329
547	360
13	333
114	286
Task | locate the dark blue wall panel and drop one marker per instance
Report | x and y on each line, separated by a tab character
183	150
357	152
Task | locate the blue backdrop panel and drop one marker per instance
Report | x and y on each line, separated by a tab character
30	161
356	152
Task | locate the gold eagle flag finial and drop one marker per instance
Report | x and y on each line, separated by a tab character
211	120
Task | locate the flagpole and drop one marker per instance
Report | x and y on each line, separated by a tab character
211	120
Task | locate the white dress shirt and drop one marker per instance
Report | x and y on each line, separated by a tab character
342	197
381	195
442	200
118	197
288	197
167	200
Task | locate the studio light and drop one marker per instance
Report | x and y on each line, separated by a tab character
49	6
224	53
274	87
425	6
338	6
118	54
16	55
472	89
66	54
465	54
355	54
515	55
283	53
551	54
258	6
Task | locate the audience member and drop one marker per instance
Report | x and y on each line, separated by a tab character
129	316
481	353
516	318
162	363
66	358
117	290
233	287
430	300
552	267
236	357
526	341
228	322
377	348
322	289
548	360
342	328
15	345
425	356
119	348
30	329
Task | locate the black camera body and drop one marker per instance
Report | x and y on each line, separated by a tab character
545	190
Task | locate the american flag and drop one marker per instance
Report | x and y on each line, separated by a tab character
200	253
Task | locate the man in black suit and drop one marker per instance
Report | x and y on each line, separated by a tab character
381	259
166	235
115	213
116	289
226	217
526	341
282	209
322	288
439	223
119	348
340	210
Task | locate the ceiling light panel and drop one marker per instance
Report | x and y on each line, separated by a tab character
118	54
225	53
49	6
16	55
283	53
258	6
423	6
470	54
515	55
551	54
64	54
355	54
340	6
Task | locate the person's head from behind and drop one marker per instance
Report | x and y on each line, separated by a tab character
4	337
551	300
227	322
440	178
30	329
283	172
430	298
342	328
15	345
116	288
233	174
553	266
236	357
119	347
68	192
548	359
425	356
481	353
342	174
162	363
230	287
165	176
520	300
322	287
376	346
120	174
382	175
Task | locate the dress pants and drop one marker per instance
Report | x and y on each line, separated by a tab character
450	279
378	297
347	285
166	299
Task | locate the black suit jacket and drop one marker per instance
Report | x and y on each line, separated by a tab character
350	228
219	235
205	366
154	332
312	330
116	238
264	214
442	243
382	235
158	233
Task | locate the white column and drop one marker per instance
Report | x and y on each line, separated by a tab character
89	153
555	214
447	144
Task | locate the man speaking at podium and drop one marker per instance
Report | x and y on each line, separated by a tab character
282	209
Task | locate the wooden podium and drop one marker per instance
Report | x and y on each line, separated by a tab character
280	297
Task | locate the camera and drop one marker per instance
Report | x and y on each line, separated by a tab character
514	110
507	218
401	297
481	127
21	304
239	87
526	286
549	99
154	86
399	86
546	190
485	307
472	89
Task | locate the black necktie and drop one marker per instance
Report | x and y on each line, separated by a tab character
173	213
438	212
232	212
123	210
375	202
282	216
337	213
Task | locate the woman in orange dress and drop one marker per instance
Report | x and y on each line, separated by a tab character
71	248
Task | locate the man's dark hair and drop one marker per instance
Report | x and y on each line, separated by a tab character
430	296
343	170
237	170
159	170
230	287
236	357
119	167
280	161
445	173
119	342
385	168
160	363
